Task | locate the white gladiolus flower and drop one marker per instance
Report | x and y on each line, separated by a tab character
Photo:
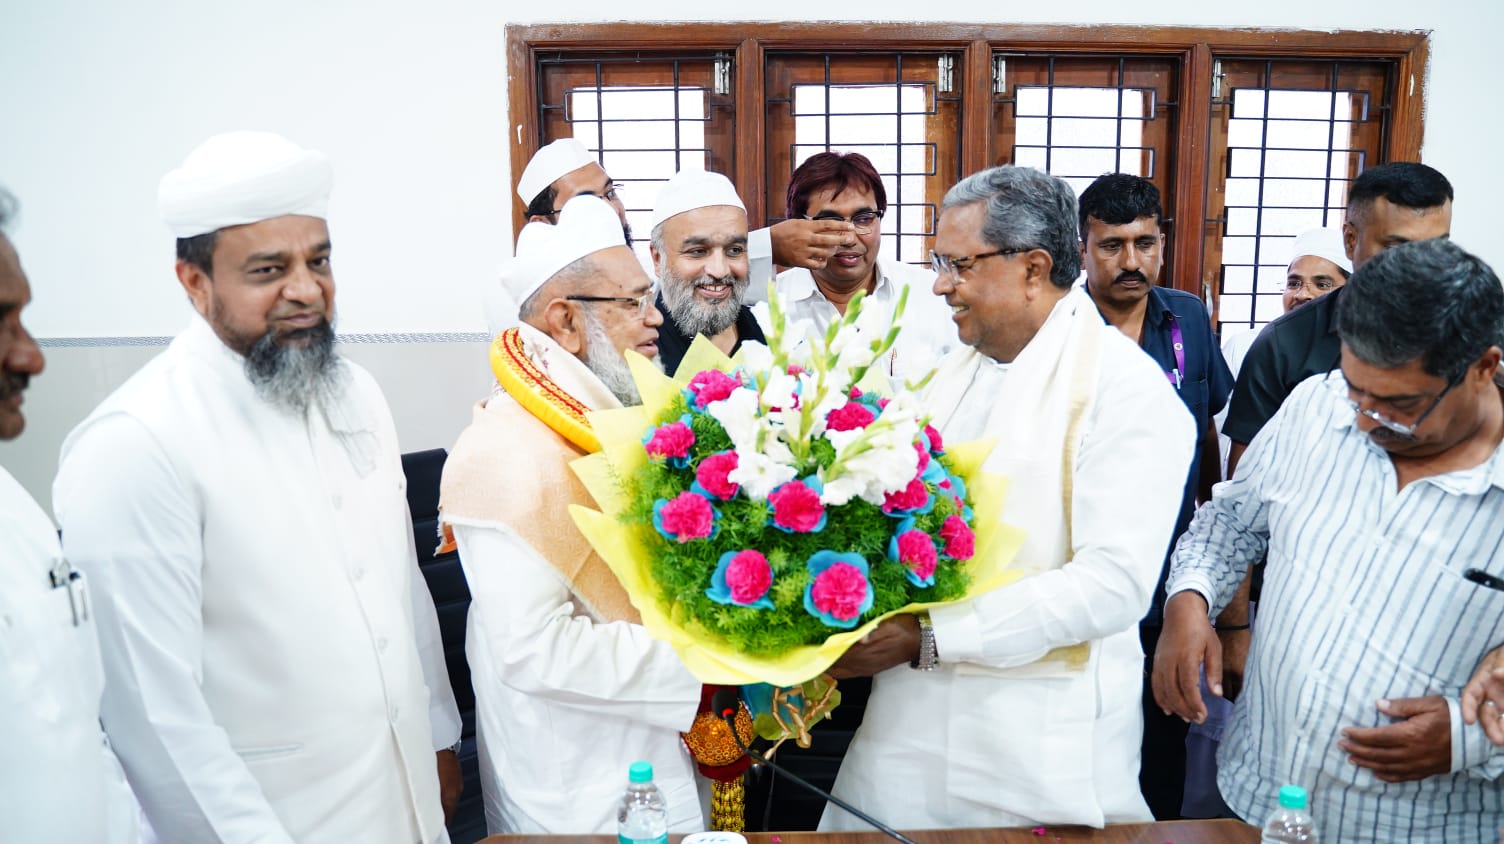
738	416
759	474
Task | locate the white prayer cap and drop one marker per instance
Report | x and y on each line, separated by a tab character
586	226
1322	243
565	155
243	177
691	189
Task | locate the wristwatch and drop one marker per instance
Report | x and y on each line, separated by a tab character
928	659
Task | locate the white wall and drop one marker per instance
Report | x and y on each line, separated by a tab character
409	100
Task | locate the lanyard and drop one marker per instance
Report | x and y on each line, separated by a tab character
1177	340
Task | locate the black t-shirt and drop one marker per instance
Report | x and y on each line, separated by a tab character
673	343
1291	349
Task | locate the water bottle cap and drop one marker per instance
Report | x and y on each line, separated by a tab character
1292	797
643	772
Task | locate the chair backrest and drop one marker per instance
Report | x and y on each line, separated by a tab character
451	598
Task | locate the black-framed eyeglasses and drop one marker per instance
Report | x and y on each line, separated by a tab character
946	265
864	221
1344	391
613	192
642	302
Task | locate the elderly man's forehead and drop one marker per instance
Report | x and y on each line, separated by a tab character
14	290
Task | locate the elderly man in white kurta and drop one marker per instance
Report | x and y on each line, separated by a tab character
58	779
273	667
1031	715
569	687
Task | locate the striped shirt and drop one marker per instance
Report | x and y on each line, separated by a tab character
1364	598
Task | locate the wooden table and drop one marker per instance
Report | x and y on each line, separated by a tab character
1176	832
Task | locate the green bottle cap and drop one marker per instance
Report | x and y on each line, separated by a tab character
1290	796
643	772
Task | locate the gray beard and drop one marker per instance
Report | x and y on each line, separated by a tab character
609	365
690	314
295	377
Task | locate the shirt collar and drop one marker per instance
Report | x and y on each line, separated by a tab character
1159	309
801	285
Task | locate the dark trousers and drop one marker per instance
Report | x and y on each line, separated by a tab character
1161	773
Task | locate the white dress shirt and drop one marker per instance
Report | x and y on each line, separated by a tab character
1364	598
265	628
1003	733
58	779
928	333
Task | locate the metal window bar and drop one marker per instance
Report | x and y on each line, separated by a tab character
895	235
1261	264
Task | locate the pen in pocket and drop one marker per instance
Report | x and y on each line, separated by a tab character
1483	578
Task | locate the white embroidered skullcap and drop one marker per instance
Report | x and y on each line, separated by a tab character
586	226
565	155
1322	243
691	189
243	177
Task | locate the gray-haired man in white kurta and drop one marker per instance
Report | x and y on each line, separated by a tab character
273	667
1032	714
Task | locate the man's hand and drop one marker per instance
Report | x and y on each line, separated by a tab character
1186	642
809	243
1483	696
894	642
1416	746
451	782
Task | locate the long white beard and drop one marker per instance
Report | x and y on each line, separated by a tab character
609	365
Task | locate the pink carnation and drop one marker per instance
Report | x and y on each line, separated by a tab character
712	385
911	497
960	542
854	394
687	517
839	591
672	440
924	458
748	576
796	507
937	445
849	417
712	471
917	551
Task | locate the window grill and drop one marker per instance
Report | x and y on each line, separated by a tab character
900	110
646	118
1295	135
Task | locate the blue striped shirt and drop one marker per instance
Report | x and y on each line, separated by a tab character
1364	598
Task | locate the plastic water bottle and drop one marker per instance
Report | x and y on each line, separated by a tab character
1291	821
643	816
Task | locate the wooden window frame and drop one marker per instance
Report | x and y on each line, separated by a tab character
1195	47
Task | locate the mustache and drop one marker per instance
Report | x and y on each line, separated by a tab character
1131	274
13	384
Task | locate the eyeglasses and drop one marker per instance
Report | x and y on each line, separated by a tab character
946	265
1344	391
865	221
642	302
613	192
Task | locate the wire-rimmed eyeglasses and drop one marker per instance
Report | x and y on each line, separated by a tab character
946	265
642	302
613	192
864	221
1344	391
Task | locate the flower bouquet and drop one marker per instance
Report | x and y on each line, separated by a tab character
765	512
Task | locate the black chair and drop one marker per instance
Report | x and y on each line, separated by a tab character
451	597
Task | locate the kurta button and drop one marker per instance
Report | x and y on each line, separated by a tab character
395	713
337	500
381	643
360	574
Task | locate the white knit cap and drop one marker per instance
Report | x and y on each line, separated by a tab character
586	226
1322	243
691	189
243	177
565	155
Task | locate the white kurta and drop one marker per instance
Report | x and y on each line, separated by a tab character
565	703
1000	735
260	608
928	332
58	779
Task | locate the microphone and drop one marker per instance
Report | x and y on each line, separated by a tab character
725	702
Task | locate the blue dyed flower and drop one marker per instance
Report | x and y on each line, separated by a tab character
839	592
742	579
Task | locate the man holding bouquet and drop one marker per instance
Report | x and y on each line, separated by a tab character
570	689
1021	706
